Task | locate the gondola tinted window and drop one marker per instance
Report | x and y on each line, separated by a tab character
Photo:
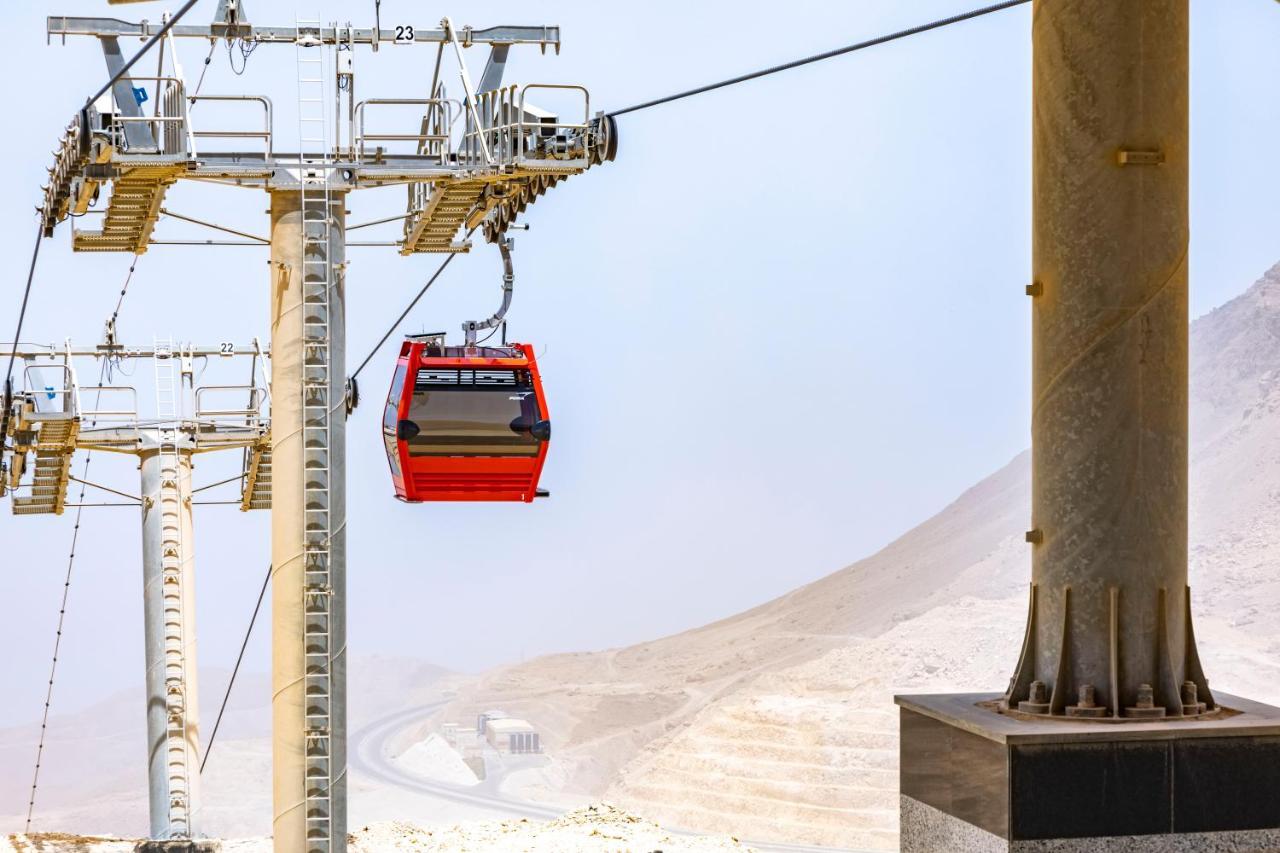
474	413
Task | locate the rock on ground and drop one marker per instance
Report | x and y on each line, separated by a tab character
594	829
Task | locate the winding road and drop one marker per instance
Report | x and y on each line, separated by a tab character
369	754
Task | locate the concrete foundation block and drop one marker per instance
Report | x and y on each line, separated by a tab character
976	781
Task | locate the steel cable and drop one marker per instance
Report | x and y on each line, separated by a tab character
818	57
405	313
8	379
80	504
236	670
151	42
62	615
17	335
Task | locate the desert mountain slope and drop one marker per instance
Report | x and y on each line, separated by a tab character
93	775
597	709
778	723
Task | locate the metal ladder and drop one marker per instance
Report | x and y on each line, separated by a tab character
168	502
314	167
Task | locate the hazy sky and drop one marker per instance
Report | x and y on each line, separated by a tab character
784	326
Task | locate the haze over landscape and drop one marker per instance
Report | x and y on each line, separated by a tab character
776	724
753	381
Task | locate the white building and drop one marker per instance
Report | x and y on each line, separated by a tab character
509	735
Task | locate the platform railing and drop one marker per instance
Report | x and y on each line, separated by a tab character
512	134
266	134
431	141
50	399
100	415
168	125
249	415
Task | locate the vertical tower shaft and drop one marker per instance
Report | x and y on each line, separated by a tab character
173	723
1110	604
308	522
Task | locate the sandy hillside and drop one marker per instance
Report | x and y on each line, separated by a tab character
778	723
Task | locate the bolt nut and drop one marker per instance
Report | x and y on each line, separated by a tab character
1146	696
1037	701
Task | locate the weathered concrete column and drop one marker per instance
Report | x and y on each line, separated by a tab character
1107	730
308	670
1110	604
169	613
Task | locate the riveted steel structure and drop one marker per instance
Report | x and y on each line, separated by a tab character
1109	630
471	162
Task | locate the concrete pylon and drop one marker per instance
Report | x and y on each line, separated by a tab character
169	613
1107	730
1110	609
308	677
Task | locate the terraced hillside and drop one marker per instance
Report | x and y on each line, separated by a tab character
778	723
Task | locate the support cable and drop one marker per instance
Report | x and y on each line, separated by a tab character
244	645
219	483
80	504
406	311
62	615
818	57
151	42
110	332
133	498
840	51
213	44
8	379
17	335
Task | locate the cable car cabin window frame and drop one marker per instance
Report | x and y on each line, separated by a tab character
391	417
485	397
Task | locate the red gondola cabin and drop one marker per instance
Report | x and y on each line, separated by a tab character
465	423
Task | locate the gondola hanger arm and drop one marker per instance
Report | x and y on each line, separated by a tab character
472	328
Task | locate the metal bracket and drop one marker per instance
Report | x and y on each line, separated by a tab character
472	327
230	21
491	77
1140	157
136	133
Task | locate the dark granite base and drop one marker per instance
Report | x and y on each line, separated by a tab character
178	846
1055	780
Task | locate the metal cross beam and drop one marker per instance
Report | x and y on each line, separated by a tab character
57	351
544	36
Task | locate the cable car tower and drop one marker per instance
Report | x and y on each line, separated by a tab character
470	162
54	415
